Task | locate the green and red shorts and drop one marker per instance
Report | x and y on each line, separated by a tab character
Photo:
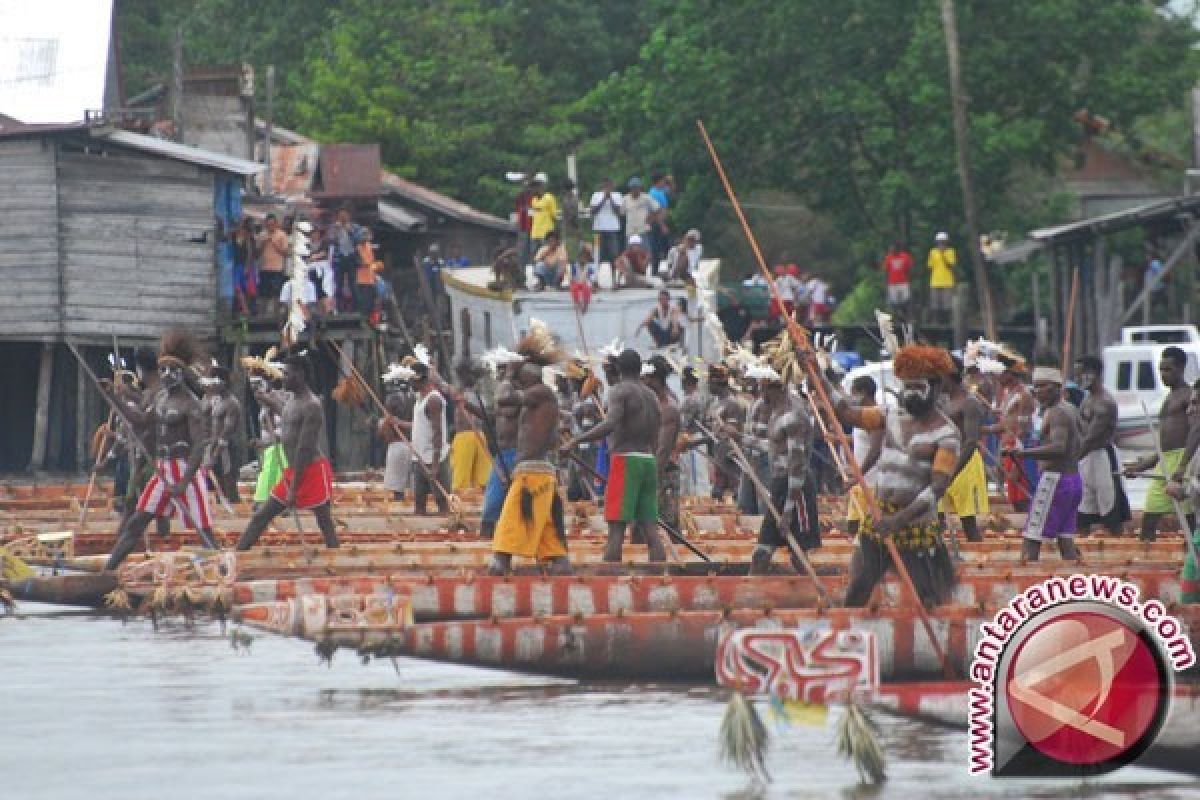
632	492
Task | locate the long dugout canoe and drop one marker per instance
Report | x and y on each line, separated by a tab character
660	646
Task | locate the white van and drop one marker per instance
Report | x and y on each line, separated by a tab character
1131	375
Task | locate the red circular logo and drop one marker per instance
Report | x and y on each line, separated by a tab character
1085	688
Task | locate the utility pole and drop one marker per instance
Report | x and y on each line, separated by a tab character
268	127
177	83
962	146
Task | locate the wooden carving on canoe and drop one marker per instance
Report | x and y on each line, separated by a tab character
809	665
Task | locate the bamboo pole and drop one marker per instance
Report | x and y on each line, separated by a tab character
1070	324
824	405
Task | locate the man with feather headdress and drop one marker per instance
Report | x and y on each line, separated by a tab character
505	424
531	521
397	469
917	462
224	423
655	373
177	487
307	481
266	386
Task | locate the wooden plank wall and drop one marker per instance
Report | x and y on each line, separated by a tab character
137	243
28	241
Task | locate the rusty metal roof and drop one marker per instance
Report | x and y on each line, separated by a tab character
394	184
347	170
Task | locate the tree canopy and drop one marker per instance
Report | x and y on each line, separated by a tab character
839	112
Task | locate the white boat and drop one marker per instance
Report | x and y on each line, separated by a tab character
483	318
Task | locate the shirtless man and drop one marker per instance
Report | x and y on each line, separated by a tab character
429	443
655	373
1104	500
307	482
531	522
967	496
176	486
1055	504
727	416
1172	437
505	419
224	421
631	495
788	445
1015	428
470	461
138	406
916	464
268	393
693	409
1186	486
867	447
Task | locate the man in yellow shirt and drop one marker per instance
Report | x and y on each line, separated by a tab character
941	263
544	209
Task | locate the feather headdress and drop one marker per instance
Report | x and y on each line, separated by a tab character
763	372
887	332
265	365
922	362
178	347
988	366
499	357
397	373
780	354
612	350
538	346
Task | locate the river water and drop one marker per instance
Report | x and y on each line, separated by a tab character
92	707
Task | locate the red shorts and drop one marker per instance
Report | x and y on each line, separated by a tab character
315	487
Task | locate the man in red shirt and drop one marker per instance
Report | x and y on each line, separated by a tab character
897	264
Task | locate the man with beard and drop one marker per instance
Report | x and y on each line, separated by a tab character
393	429
176	486
1055	504
1104	500
916	464
307	482
631	495
655	373
224	422
967	496
788	445
1172	437
727	416
531	522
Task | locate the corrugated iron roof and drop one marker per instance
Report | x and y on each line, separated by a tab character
441	203
293	167
347	170
1119	220
399	217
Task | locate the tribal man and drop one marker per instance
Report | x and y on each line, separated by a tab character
916	464
693	409
429	443
967	496
788	444
532	523
1055	503
393	429
1172	437
176	486
224	423
307	482
655	373
631	495
470	461
1104	500
507	422
1015	427
138	406
266	385
727	416
1187	486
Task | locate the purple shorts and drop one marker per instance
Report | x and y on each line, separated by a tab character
1052	512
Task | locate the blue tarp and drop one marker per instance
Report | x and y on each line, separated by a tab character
227	206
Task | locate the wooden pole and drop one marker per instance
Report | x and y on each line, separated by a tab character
823	404
1066	349
41	419
963	149
269	131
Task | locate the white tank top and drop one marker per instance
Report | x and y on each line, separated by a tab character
422	431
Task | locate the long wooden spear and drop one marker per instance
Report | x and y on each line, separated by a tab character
823	404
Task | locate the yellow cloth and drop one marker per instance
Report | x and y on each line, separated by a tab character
470	462
535	537
941	265
856	511
968	493
545	215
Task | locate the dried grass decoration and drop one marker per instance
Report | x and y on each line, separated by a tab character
349	392
858	740
744	738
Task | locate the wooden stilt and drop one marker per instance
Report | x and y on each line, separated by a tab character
41	419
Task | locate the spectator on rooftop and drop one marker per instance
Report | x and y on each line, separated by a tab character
664	323
272	254
631	267
544	209
344	236
606	222
583	277
660	229
551	262
523	220
245	268
639	209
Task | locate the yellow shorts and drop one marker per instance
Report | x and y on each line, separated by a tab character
856	510
534	536
968	492
470	462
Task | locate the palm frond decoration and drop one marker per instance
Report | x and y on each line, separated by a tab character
858	739
744	738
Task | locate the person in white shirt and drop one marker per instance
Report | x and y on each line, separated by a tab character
606	208
638	207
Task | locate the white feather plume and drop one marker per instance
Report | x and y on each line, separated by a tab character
988	366
421	353
762	372
887	332
613	349
498	357
397	372
647	369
